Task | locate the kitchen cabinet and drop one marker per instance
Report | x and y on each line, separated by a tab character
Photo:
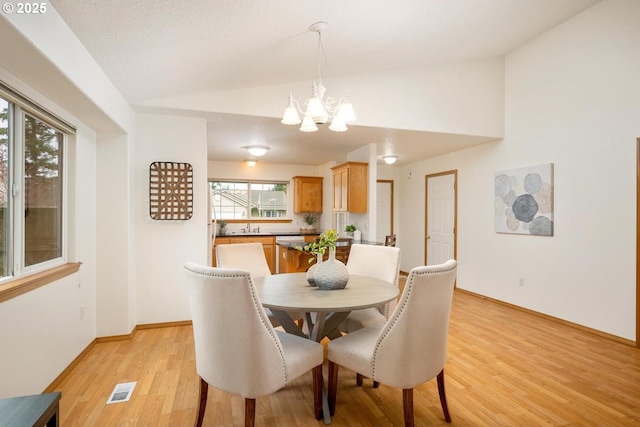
350	187
291	260
307	194
268	244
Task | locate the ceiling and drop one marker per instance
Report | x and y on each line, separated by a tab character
152	50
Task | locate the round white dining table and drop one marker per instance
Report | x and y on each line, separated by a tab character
291	292
324	310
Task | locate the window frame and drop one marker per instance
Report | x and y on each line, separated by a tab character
249	182
19	278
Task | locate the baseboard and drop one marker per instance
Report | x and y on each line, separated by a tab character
554	319
164	325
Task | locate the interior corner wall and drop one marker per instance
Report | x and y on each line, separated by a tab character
162	247
572	99
113	312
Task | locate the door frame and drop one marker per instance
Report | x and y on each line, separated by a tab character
389	181
637	243
453	172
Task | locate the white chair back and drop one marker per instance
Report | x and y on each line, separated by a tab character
245	256
237	349
412	347
379	262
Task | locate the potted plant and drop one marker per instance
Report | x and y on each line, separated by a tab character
309	219
350	229
327	240
223	227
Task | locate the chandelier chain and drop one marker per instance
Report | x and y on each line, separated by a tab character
322	55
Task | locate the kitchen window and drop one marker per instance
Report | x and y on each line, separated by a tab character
31	187
248	200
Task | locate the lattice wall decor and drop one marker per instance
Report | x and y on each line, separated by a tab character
170	190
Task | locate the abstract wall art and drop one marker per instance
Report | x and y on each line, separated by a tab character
524	200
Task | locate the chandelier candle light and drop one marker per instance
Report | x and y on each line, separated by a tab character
319	110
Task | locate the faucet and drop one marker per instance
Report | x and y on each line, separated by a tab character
248	228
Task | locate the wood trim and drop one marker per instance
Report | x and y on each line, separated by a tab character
164	325
58	380
22	285
554	319
637	242
113	338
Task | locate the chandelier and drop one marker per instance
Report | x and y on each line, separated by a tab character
319	110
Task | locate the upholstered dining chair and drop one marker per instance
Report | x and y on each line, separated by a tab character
380	262
250	257
411	347
237	348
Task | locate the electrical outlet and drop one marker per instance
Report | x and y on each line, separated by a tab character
521	281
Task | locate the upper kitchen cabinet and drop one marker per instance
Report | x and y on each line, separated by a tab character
307	194
350	187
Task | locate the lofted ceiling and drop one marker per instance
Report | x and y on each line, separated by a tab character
154	50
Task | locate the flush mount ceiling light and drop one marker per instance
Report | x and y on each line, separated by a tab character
250	162
389	159
257	150
318	110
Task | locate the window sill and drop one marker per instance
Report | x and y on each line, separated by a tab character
26	284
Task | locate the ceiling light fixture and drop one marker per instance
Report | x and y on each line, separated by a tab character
257	150
389	159
319	110
250	162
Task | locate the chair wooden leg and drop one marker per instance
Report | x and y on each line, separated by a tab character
407	406
333	387
202	403
249	412
358	379
443	397
317	392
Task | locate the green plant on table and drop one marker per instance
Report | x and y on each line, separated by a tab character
350	228
327	240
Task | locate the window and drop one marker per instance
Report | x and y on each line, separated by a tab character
31	187
248	200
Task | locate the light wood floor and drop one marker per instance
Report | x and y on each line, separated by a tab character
505	368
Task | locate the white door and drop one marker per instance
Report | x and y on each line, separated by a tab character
441	217
384	209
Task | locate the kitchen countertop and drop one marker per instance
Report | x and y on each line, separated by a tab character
265	233
291	244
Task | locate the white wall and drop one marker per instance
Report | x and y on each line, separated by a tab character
163	247
573	99
462	98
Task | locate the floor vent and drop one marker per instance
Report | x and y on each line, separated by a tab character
122	392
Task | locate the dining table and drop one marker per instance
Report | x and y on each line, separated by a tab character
324	309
